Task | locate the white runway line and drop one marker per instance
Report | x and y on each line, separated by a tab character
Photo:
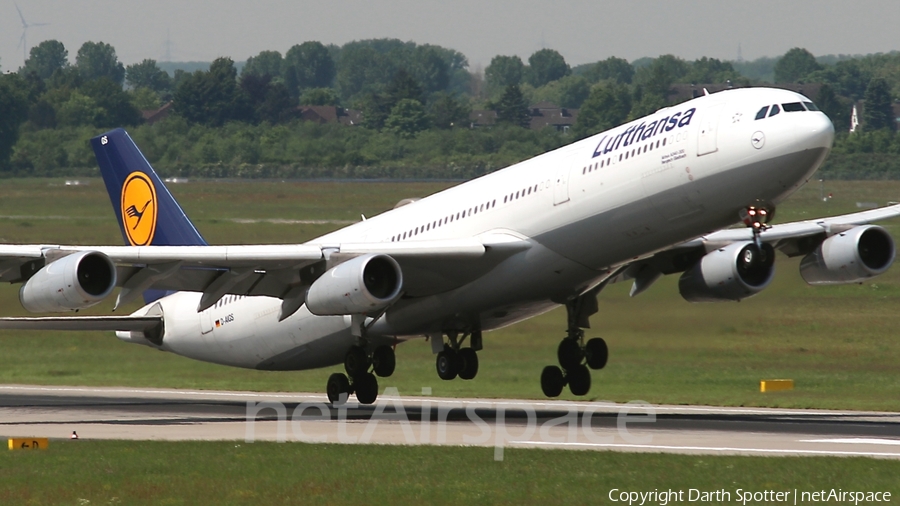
775	451
855	440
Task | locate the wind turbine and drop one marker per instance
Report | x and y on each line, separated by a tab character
23	41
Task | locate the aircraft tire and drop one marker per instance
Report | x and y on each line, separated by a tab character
597	353
337	384
366	388
384	361
468	366
447	364
569	353
552	381
579	378
356	361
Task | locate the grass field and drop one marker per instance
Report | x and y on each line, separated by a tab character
195	473
839	344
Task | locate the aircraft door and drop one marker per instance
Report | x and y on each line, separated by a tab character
709	126
206	325
561	185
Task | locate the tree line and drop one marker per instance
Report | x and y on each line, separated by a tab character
415	102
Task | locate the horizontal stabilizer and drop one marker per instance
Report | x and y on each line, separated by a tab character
95	323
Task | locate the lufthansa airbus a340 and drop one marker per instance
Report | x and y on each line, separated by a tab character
652	197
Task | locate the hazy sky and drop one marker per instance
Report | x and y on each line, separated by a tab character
582	30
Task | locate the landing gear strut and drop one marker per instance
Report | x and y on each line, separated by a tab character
453	361
574	356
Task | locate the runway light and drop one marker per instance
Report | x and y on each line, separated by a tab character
776	385
31	443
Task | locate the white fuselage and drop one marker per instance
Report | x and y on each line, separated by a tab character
585	208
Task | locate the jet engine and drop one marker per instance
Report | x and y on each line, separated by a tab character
733	272
849	257
362	285
76	281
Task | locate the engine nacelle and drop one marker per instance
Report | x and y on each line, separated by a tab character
849	257
362	285
76	281
734	272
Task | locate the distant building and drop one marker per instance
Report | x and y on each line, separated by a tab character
858	111
329	114
543	115
152	116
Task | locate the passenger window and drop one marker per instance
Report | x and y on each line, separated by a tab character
793	107
762	112
811	106
775	110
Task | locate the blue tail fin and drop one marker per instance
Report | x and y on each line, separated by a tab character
147	212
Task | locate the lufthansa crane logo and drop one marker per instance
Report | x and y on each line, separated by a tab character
139	209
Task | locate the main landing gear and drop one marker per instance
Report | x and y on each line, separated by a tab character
453	361
361	381
575	358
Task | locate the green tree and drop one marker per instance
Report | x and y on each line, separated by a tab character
447	111
836	109
795	65
407	118
504	71
710	70
606	107
657	77
308	65
545	66
270	101
512	109
402	86
319	96
45	58
265	63
430	69
148	75
212	97
877	111
98	59
114	105
361	70
573	91
13	112
613	69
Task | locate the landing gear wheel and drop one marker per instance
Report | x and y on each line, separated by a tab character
356	361
569	353
366	388
384	361
597	353
468	363
446	364
552	381
579	378
337	384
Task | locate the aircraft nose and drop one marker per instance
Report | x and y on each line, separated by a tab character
818	131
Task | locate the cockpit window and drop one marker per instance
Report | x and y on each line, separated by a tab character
775	110
762	112
811	106
793	107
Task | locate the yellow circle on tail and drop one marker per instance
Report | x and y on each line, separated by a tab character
139	209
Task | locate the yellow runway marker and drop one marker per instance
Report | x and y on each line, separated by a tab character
775	385
29	443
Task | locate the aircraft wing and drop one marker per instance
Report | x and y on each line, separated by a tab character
271	270
793	239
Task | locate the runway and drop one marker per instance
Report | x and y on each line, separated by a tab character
168	414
